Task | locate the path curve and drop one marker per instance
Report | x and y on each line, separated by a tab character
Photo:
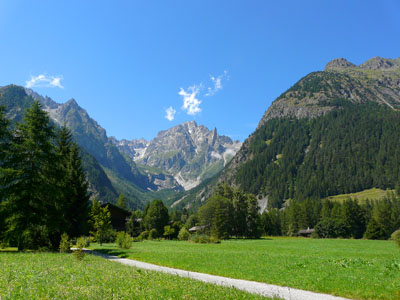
267	290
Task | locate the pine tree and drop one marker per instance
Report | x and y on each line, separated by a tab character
156	217
30	187
239	202
74	201
253	220
4	139
221	227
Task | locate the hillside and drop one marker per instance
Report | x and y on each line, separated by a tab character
334	132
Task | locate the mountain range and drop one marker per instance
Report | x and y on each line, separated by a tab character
335	131
177	159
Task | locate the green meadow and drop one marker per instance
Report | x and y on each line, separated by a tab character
358	269
62	276
370	194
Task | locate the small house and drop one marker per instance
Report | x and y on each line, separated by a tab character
306	232
119	216
195	229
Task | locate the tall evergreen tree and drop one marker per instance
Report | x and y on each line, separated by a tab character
4	139
156	217
240	207
253	219
30	187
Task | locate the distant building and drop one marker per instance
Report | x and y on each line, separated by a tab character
119	216
306	232
196	229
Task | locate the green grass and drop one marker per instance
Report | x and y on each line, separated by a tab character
61	276
371	194
359	269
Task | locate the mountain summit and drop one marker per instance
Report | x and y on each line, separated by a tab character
189	152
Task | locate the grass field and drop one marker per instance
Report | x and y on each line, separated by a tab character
62	276
371	194
359	269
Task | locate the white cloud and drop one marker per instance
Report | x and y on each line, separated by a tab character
217	83
170	113
44	81
190	103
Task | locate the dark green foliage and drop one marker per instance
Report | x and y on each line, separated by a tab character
374	231
347	150
156	217
133	224
331	228
74	187
271	222
30	184
253	218
230	212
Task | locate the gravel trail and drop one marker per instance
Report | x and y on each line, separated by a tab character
267	290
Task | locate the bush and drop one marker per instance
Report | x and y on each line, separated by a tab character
396	237
80	244
184	234
143	235
153	234
64	243
124	240
204	239
84	241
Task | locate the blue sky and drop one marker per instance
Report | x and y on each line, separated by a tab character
220	63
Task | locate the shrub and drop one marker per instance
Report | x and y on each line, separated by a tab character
64	243
396	237
78	252
143	235
184	234
124	240
204	239
84	241
153	234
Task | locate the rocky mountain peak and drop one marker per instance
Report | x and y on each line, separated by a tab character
189	152
380	63
72	102
338	63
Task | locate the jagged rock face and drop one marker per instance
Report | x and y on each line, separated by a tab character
189	152
376	80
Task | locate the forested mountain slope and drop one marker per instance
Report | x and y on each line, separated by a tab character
335	131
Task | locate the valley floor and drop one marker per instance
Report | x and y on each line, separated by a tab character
358	269
62	276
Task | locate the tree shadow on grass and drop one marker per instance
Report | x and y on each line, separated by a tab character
113	252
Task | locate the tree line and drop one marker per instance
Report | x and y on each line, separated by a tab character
331	219
43	187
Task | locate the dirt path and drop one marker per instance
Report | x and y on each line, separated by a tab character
253	287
